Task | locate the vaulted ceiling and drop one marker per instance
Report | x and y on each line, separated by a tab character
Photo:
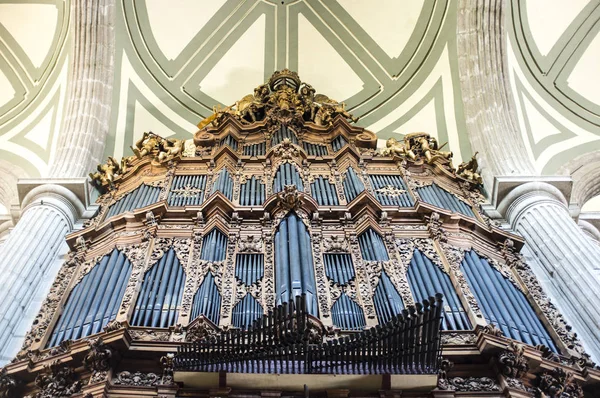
394	63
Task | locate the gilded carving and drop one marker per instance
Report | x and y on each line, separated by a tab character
469	170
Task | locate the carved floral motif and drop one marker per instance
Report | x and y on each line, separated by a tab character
138	379
558	383
57	380
512	362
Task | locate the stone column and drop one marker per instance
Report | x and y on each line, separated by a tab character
563	258
31	255
487	97
85	125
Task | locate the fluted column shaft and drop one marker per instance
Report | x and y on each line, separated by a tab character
85	125
29	261
484	80
565	260
24	270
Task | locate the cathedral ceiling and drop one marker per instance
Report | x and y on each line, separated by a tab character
554	56
395	66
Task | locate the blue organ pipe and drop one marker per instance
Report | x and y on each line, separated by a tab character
505	308
140	197
180	182
381	181
101	303
214	246
287	175
479	289
324	192
347	314
426	279
249	267
338	267
439	197
207	300
161	293
255	149
246	311
282	133
314	149
86	311
224	183
526	323
338	143
372	246
352	184
231	142
252	192
387	300
516	311
294	272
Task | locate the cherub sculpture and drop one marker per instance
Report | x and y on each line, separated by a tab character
169	149
422	144
468	170
145	145
106	172
395	148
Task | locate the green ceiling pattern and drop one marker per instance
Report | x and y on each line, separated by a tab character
545	79
149	85
34	37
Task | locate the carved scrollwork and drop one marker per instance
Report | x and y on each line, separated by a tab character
367	275
250	245
8	385
472	384
136	255
434	224
458	338
99	356
512	361
558	383
149	335
57	380
138	379
290	198
201	328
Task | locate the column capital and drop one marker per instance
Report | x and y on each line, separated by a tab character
69	195
513	194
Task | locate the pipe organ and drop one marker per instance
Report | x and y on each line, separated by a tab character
279	240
